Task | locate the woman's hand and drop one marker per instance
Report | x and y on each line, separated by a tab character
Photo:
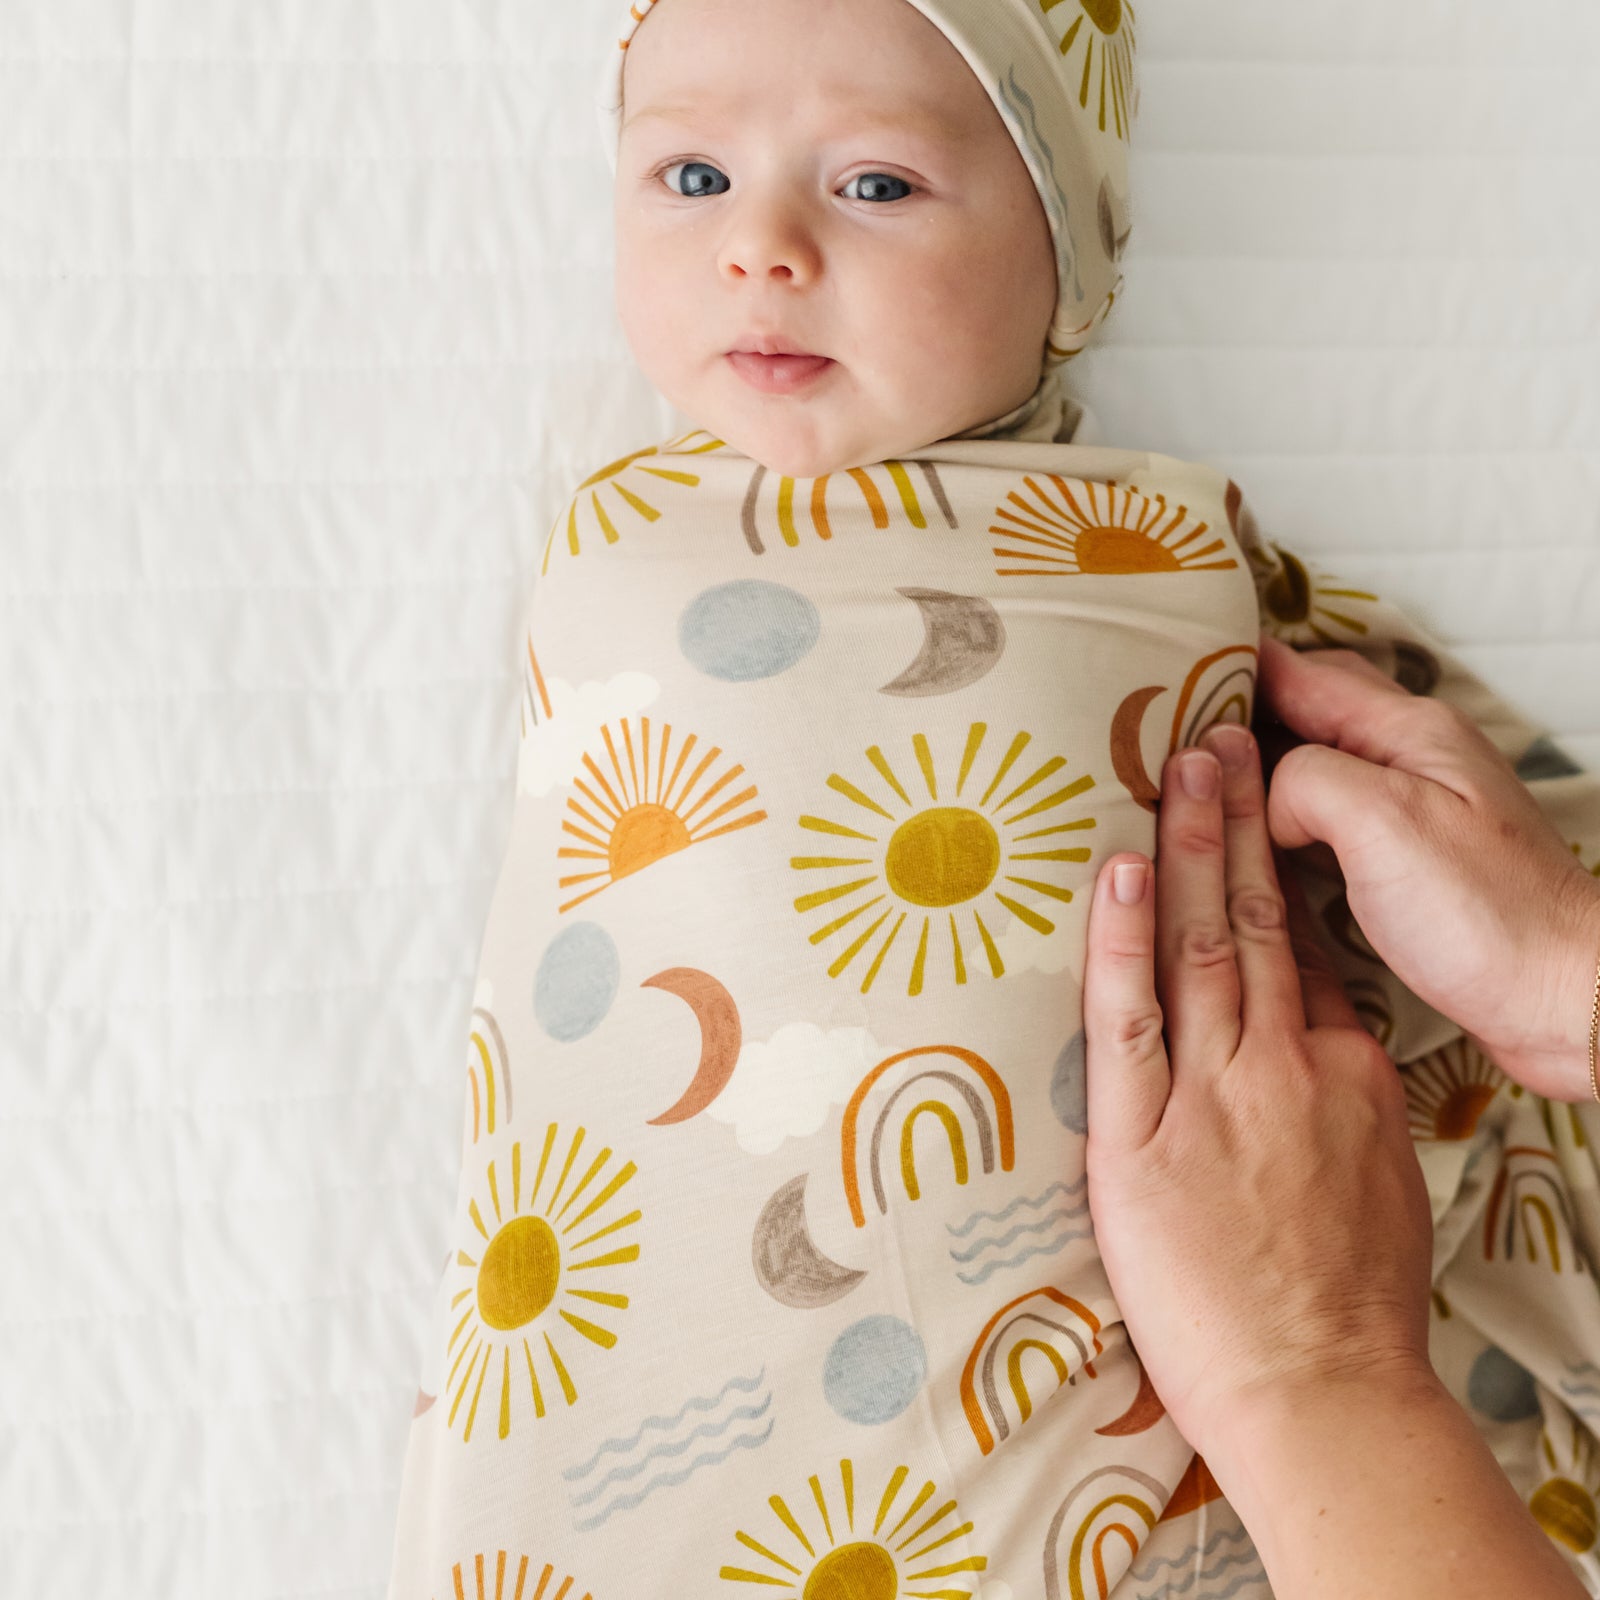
1252	1183
1456	877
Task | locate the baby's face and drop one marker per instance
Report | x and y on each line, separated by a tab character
831	175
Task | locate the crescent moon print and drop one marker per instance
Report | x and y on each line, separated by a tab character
963	641
586	517
1127	747
1145	1411
720	1037
1220	688
874	501
1069	527
787	1263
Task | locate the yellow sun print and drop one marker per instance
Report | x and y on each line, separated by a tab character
1108	45
630	819
1075	526
541	1273
917	864
906	1553
646	469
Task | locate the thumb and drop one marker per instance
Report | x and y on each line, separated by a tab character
1338	698
1324	796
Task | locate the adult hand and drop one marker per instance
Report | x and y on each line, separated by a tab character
1254	1191
1457	879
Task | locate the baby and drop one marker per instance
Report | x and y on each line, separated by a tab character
772	1267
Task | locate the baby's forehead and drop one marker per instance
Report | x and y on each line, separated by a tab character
875	65
824	106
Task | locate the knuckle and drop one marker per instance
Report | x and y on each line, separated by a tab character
1138	1034
1204	945
1440	718
1257	911
1194	839
1121	950
1245	801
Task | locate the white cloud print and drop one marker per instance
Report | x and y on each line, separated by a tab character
552	753
1023	949
783	1087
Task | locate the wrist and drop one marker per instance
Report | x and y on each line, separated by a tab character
1547	1049
1381	1484
1574	974
1263	1426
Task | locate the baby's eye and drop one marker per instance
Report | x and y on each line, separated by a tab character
704	176
873	186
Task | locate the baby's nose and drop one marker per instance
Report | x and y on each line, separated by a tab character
771	246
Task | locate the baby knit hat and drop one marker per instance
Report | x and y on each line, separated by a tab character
1062	75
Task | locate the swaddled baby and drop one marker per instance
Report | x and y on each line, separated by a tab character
772	1268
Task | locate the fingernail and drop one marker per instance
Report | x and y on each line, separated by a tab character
1128	881
1200	774
1230	744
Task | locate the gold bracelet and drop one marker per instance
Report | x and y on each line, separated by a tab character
1594	1040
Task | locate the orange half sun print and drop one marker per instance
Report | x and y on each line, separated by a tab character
897	862
629	817
913	1548
539	1278
1064	527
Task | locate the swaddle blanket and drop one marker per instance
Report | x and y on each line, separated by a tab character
772	1266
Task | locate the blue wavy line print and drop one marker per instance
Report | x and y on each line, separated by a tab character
1028	1203
628	1502
1257	1576
698	1403
1145	1574
1000	1241
675	1447
1023	113
1054	1247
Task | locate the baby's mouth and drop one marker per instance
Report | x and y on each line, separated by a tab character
778	374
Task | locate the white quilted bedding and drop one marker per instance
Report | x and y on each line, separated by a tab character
304	333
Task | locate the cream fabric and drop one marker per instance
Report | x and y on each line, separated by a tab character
772	1266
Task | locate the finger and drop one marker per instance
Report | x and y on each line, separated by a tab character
1197	978
1125	1060
1269	981
1341	700
1326	1003
1323	796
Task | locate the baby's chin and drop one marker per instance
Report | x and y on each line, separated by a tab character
812	443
